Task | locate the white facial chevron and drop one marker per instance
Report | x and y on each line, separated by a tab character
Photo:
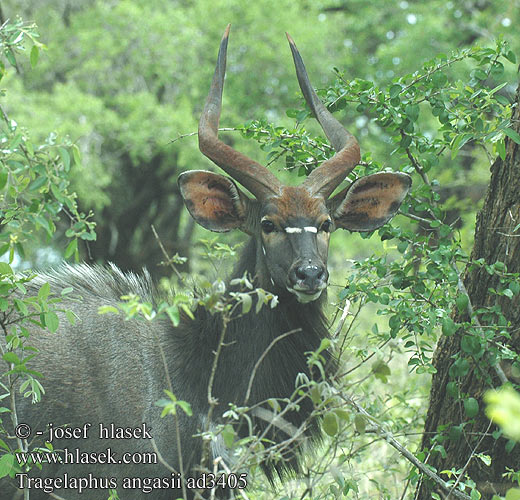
307	229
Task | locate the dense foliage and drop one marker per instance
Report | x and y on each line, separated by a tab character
428	90
35	195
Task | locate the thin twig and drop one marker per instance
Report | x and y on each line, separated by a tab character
165	253
405	452
161	458
262	357
227	470
371	355
191	134
415	217
472	454
344	314
57	497
212	402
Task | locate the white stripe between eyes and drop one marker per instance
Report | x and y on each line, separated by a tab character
307	229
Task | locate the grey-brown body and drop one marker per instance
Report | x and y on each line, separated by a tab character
106	370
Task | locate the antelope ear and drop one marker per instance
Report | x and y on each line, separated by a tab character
370	202
214	201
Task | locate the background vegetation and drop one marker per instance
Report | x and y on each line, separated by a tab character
110	97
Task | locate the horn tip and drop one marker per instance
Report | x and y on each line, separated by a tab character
291	41
226	32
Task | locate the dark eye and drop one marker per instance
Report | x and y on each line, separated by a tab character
267	226
326	226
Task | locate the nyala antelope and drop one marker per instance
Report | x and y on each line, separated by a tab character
105	370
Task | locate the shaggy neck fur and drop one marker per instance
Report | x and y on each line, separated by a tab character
246	340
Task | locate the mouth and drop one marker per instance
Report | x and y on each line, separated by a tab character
305	296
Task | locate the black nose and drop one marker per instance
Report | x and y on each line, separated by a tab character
309	275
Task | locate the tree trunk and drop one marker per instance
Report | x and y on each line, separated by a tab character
448	446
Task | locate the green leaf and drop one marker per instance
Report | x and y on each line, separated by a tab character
402	246
11	357
44	291
486	459
394	323
497	69
3	178
462	302
174	315
76	155
108	309
186	407
330	424
452	389
360	423
501	99
21	307
510	56
510	446
514	136
381	370
342	414
71	249
513	494
455	433
514	286
71	317
5	269
37	183
52	322
459	368
501	149
458	142
247	302
395	90
65	158
449	327
6	464
35	54
315	395
228	434
474	495
471	407
439	79
10	56
480	74
412	112
3	444
503	407
470	344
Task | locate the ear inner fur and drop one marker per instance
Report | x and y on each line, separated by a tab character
214	201
371	201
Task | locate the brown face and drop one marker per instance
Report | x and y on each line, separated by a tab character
293	226
295	230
